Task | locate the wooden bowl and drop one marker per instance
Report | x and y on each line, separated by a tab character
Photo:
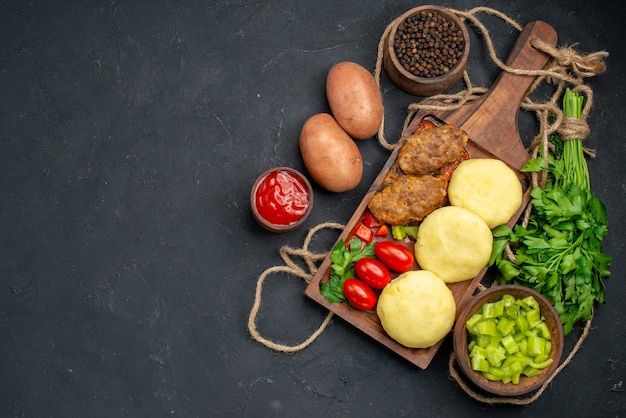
271	215
526	384
418	85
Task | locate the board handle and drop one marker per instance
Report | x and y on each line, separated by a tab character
514	87
494	117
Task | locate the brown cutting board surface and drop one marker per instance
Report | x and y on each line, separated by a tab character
491	123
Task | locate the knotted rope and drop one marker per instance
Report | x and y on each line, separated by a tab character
310	258
566	68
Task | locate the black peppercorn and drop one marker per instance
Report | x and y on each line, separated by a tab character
428	44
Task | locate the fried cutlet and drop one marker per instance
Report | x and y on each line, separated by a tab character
427	150
408	199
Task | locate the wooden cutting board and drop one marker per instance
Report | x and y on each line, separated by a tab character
491	123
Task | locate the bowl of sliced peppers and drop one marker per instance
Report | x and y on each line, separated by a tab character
508	340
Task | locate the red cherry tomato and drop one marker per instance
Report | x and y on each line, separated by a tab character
360	295
372	272
395	256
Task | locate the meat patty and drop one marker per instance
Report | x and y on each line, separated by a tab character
428	149
408	199
393	175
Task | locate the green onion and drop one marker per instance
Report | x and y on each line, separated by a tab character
576	169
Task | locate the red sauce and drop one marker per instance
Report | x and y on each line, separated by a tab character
282	198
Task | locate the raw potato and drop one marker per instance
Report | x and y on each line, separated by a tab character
417	309
487	187
355	100
330	155
453	243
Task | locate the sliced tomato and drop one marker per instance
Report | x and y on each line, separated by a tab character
370	221
364	233
383	231
395	256
425	124
372	272
359	295
446	171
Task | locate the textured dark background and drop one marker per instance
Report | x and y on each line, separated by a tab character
130	134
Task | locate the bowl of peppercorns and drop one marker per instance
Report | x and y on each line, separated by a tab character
426	50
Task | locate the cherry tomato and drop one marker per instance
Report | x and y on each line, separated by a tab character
395	256
372	272
360	295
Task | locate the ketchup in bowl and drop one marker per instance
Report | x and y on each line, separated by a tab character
281	199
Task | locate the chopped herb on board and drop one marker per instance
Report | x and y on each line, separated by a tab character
559	252
342	267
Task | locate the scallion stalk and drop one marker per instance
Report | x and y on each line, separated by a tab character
576	169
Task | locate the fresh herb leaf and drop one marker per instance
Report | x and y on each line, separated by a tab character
501	236
342	267
536	164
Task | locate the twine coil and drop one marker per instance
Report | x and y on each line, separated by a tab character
568	68
291	267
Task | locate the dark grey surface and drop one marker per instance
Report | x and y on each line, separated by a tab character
130	134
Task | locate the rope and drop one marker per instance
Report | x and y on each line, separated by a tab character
290	267
566	67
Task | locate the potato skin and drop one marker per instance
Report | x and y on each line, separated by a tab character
331	157
355	100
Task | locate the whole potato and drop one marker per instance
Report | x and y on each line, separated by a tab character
355	100
330	155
